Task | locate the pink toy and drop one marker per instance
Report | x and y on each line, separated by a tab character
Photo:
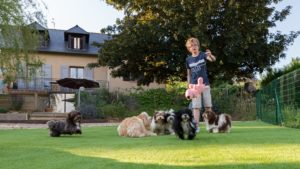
195	90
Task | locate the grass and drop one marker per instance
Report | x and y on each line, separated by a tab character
250	145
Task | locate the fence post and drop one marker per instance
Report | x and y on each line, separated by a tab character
258	105
278	107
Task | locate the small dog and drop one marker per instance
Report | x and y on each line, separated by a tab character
136	126
184	125
169	120
217	123
70	126
158	123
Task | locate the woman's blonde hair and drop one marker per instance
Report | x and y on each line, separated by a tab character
192	40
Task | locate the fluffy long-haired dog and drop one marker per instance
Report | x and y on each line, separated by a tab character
136	126
158	122
71	125
217	123
184	125
169	120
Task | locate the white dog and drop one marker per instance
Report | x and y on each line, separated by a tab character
169	120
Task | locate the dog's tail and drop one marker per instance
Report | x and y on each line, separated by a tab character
228	119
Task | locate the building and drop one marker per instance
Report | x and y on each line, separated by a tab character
66	53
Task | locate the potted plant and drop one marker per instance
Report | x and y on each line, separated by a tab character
49	109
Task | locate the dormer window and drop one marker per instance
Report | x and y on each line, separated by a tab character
43	40
42	33
76	38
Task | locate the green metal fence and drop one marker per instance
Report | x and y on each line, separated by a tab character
279	101
235	101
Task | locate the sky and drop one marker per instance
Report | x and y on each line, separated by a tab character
93	15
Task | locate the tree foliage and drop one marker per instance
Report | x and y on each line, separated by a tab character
273	74
18	40
149	42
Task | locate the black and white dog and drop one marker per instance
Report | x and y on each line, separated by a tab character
169	120
184	125
217	123
69	126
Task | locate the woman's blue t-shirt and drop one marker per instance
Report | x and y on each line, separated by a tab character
197	65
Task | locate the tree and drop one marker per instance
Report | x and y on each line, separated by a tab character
273	73
149	42
18	41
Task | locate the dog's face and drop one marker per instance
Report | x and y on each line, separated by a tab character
146	119
74	117
159	116
185	115
169	116
209	116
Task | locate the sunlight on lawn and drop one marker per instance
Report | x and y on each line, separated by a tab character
235	154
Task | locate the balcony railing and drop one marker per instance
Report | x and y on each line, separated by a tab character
47	84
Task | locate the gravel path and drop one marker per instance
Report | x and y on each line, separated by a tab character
34	126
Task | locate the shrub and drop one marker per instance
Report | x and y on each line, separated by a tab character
115	110
17	102
291	116
3	110
159	99
89	111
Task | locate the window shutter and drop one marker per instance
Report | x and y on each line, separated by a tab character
82	42
21	76
70	41
88	73
21	83
47	75
64	71
1	85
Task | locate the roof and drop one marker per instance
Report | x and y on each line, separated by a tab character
78	30
57	43
37	26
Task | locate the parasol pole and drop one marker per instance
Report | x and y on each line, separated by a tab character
78	99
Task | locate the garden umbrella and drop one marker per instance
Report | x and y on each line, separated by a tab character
77	83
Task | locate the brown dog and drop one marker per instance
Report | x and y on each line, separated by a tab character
158	124
217	123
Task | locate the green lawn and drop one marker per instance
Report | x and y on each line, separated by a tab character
250	145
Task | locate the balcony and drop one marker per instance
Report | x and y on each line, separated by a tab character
45	85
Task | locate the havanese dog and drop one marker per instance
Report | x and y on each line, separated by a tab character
217	123
71	125
184	125
169	120
158	122
136	126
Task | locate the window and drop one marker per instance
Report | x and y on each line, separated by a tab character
131	77
128	77
76	42
76	72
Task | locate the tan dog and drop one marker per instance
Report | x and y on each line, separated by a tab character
136	126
